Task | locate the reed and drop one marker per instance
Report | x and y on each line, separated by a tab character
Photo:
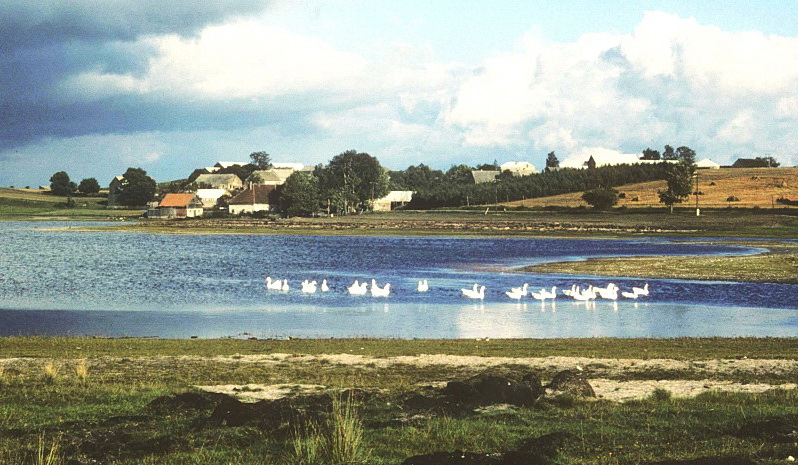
82	371
50	372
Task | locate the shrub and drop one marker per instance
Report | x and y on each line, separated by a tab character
602	198
661	395
50	372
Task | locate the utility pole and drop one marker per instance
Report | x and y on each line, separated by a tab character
697	211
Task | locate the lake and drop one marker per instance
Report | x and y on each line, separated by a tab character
61	282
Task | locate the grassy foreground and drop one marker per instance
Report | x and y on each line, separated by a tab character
76	400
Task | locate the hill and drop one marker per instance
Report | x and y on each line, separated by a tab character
18	203
755	187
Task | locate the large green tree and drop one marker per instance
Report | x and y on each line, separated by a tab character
137	188
602	198
685	155
89	186
61	185
301	195
668	153
651	154
416	178
261	160
351	180
679	179
459	174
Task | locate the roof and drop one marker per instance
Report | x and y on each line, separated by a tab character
484	176
256	194
228	164
750	163
397	196
268	176
216	179
518	166
289	165
707	163
176	200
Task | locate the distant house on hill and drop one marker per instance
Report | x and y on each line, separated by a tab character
256	198
113	191
272	177
707	164
518	168
220	181
177	206
392	200
481	177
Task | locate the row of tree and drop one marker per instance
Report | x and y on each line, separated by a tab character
60	184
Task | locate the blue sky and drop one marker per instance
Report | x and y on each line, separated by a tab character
93	87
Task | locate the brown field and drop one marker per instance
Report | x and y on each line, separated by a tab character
755	187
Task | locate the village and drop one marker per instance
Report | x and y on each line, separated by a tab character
218	190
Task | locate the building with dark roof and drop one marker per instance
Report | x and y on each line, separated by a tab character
256	198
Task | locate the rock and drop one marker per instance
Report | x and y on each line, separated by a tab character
460	391
548	445
500	390
773	430
714	460
186	400
573	383
232	412
454	458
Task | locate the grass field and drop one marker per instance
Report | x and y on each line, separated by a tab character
112	401
26	204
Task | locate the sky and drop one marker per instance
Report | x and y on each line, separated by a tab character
92	87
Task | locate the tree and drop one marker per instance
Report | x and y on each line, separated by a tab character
89	186
261	160
137	188
352	179
61	185
769	162
552	161
416	178
301	195
602	198
650	154
685	155
668	153
459	174
679	179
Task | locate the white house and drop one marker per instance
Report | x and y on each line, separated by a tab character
220	181
519	168
209	197
392	200
177	206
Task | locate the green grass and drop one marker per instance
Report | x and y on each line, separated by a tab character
17	204
107	403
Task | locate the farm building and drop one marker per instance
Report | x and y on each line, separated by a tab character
256	198
707	164
392	200
209	197
481	177
177	206
113	191
519	168
219	181
272	177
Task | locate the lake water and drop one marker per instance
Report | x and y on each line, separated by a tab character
135	284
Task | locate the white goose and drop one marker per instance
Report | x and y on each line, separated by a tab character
552	294
629	295
284	287
357	289
308	287
324	286
515	293
523	290
376	291
275	285
641	290
423	286
476	293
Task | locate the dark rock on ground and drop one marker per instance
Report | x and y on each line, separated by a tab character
492	389
186	400
773	430
570	382
714	460
548	445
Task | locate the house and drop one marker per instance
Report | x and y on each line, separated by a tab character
256	198
392	200
113	191
209	197
481	177
177	206
752	163
518	168
272	177
707	164
289	165
220	181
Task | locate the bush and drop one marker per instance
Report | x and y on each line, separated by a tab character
602	198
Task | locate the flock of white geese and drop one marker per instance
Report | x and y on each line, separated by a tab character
610	292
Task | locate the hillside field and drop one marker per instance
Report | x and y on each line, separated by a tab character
755	187
25	204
